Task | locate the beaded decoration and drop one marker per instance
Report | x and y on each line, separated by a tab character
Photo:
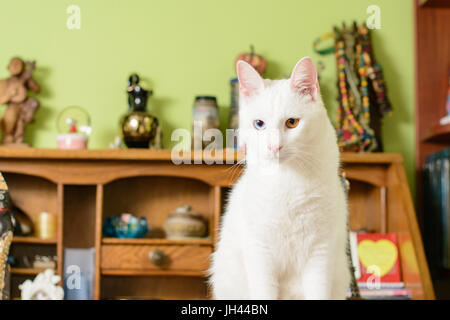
362	92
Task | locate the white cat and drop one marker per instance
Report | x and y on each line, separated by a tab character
283	234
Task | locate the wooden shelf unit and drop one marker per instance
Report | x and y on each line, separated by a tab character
84	187
432	59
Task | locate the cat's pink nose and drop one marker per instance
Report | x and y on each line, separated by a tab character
274	149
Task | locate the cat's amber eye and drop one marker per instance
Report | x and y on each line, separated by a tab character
259	124
292	123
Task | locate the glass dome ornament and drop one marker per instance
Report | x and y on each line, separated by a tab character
74	128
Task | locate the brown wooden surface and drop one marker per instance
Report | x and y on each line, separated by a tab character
158	241
19	239
85	187
158	155
98	240
26	271
434	3
154	287
437	134
79	214
136	257
432	60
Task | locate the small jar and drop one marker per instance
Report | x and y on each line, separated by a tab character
46	226
205	116
183	223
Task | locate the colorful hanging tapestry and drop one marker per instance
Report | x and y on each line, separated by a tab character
362	100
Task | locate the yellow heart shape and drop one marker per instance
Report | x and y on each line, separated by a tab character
382	254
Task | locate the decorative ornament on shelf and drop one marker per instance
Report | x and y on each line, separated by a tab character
43	287
125	225
259	63
183	223
20	108
74	127
139	128
44	262
255	60
205	116
6	235
23	225
362	101
46	225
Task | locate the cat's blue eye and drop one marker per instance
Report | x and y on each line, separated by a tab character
259	124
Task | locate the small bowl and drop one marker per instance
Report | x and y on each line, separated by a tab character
125	225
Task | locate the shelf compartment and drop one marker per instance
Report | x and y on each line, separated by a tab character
155	197
161	287
79	216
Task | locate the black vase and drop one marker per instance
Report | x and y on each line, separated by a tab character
139	128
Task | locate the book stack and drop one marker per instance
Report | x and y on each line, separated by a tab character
437	208
375	258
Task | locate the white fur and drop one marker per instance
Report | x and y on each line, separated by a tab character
283	233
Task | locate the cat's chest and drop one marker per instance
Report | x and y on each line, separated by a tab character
286	197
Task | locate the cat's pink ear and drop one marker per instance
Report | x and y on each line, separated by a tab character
304	78
250	82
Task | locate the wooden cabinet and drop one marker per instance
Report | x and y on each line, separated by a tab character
84	187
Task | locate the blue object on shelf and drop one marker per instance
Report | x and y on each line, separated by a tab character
125	225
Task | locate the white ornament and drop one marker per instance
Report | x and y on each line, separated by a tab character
43	287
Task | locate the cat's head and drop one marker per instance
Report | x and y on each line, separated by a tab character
279	120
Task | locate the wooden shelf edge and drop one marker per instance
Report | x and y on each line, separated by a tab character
144	273
437	133
160	155
33	240
26	271
146	241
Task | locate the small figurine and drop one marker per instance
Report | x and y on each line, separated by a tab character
20	108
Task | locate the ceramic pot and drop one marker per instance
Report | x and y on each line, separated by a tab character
183	223
205	116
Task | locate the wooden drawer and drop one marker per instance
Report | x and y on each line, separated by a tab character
192	258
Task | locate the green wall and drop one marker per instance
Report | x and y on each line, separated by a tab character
187	48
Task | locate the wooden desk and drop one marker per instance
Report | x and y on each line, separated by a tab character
84	187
